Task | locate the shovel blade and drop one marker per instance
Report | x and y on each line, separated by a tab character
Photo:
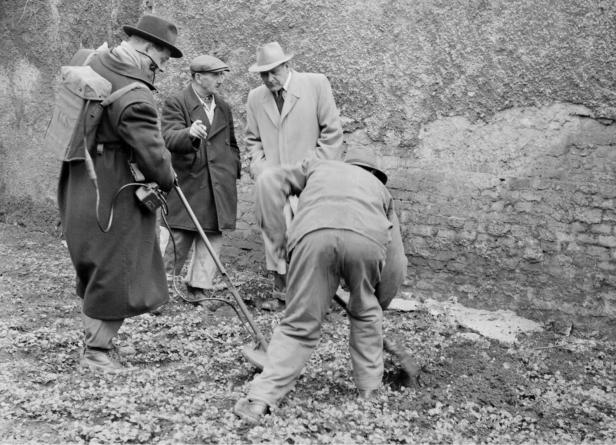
255	355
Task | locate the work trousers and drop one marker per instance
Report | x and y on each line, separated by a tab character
201	268
317	263
100	333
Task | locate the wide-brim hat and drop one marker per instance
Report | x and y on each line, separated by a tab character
156	30
365	157
208	64
269	56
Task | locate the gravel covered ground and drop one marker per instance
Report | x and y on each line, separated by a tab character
547	388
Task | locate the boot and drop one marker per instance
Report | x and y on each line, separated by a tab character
102	361
368	394
251	410
277	303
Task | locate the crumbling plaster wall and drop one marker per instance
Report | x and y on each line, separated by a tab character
494	119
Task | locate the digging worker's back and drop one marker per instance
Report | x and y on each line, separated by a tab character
345	227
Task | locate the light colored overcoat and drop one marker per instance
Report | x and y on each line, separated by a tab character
308	125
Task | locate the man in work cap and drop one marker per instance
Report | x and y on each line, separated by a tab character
197	127
291	117
120	272
345	228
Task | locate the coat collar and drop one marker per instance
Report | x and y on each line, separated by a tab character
113	63
292	95
196	111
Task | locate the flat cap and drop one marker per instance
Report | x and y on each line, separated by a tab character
207	64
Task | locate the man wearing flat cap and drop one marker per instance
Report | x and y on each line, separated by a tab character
345	227
120	272
290	118
197	126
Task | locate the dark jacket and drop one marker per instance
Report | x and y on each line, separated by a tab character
207	169
119	273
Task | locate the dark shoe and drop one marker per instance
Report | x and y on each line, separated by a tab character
212	305
280	282
250	410
367	394
274	305
102	361
160	310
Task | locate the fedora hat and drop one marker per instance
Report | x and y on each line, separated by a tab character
269	56
365	157
156	30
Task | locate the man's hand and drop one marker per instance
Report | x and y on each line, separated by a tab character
198	130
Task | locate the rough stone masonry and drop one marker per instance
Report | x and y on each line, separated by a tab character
494	120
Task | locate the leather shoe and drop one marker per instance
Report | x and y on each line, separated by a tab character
103	361
250	410
211	305
273	305
367	394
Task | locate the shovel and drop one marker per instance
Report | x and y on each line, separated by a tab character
409	368
253	353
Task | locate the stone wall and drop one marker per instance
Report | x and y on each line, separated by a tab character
494	120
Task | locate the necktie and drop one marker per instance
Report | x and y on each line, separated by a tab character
279	100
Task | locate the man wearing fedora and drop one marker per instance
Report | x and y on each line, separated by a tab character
290	118
197	126
120	272
345	228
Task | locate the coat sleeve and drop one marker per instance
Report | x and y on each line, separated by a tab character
394	271
254	145
329	143
274	186
233	144
176	128
138	127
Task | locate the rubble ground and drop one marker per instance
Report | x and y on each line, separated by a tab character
546	387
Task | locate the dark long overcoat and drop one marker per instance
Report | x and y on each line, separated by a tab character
207	169
119	273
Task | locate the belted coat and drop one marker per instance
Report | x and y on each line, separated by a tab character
120	273
207	169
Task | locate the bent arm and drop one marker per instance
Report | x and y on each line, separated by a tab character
394	271
175	128
254	145
274	186
138	127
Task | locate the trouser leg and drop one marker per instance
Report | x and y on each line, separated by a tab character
361	268
163	238
202	268
100	333
272	262
177	250
312	281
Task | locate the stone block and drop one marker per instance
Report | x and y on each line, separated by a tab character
456	222
531	196
607	241
523	207
519	183
578	227
586	238
607	265
446	234
422	230
603	229
587	215
598	253
497	228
